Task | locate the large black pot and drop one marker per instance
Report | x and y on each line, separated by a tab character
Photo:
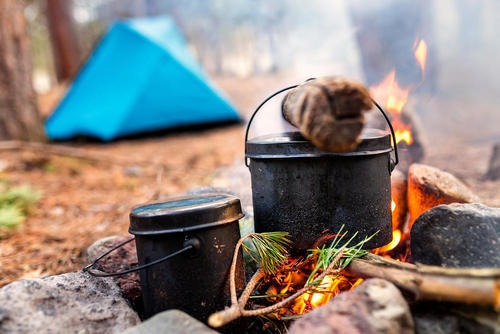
309	193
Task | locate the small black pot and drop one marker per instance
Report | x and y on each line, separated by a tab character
195	281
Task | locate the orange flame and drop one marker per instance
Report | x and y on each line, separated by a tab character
421	54
394	97
390	93
328	288
396	238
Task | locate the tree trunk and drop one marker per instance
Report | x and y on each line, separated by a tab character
63	38
19	117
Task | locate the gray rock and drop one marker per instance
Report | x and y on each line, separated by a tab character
375	306
457	235
171	322
70	303
119	260
436	318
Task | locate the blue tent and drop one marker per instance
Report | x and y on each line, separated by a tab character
140	78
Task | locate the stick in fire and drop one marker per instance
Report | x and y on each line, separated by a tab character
329	112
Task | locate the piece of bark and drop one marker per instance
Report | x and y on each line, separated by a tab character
494	165
328	112
429	187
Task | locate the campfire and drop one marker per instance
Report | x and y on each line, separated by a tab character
297	271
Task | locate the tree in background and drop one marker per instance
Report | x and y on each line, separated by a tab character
19	117
63	38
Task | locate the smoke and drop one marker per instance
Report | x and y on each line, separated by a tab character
359	39
362	40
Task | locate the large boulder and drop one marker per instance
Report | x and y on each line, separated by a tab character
429	187
375	306
171	322
437	318
457	235
118	260
70	303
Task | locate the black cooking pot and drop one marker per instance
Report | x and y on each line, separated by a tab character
185	247
311	193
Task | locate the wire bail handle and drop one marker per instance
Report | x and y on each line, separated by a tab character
189	244
393	163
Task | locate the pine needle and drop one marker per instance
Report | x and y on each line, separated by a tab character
270	250
325	255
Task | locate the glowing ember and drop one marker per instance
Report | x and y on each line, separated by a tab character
358	282
328	288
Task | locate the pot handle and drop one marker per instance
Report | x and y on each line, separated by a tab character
393	163
189	244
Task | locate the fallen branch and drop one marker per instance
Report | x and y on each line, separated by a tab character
461	285
70	151
75	152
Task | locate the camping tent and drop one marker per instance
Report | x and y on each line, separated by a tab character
140	78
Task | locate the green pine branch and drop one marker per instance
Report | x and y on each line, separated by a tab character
325	255
270	250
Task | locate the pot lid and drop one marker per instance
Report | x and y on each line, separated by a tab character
294	145
184	213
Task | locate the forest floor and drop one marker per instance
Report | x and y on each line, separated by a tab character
85	200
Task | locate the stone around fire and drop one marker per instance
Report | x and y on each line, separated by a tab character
70	303
171	322
429	187
457	235
119	260
376	306
437	318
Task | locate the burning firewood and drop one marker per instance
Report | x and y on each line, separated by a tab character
329	112
478	286
471	286
329	261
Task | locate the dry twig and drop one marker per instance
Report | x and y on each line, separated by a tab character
237	310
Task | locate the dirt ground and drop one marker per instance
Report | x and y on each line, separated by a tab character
87	200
